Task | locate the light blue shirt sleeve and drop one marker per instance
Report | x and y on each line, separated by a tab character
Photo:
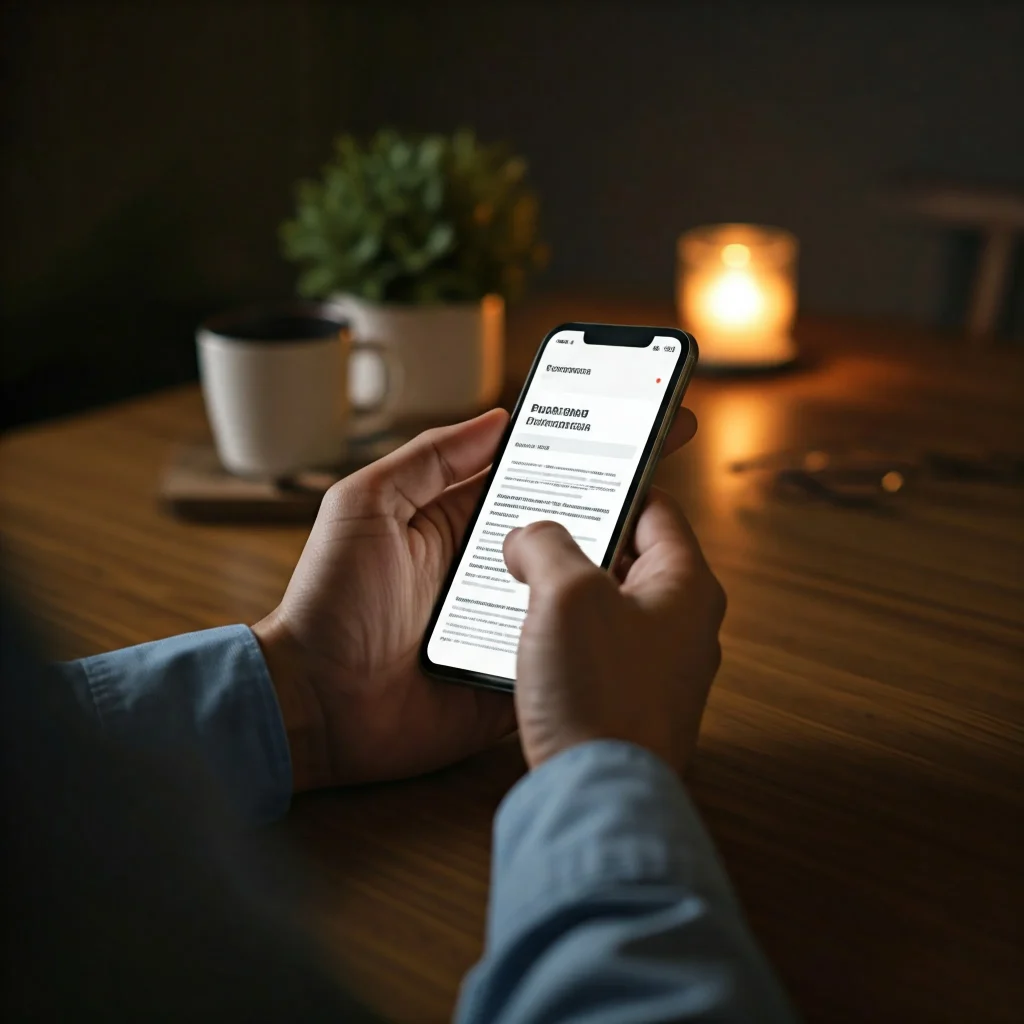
609	905
206	695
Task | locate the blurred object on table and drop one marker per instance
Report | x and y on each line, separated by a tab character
736	292
996	213
450	357
274	379
419	240
195	486
880	476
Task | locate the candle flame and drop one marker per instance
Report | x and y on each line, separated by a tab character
735	255
735	298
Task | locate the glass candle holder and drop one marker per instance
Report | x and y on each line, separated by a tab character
736	294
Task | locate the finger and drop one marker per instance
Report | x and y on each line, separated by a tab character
421	470
450	514
623	565
662	522
667	552
681	431
461	499
544	553
460	502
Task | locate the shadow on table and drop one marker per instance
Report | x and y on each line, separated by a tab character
883	888
398	879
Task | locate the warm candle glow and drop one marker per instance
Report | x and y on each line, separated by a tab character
737	294
735	299
735	255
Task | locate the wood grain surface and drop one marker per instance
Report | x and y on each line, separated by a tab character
860	765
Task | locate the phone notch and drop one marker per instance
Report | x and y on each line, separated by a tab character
621	336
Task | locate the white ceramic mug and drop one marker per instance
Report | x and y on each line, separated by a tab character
452	356
275	383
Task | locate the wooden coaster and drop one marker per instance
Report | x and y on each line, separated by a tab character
195	486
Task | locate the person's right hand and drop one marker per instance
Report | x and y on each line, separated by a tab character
600	659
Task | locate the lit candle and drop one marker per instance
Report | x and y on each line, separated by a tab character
736	293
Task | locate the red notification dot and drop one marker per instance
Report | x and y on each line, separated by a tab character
658	381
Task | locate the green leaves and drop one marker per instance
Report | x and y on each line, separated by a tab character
416	219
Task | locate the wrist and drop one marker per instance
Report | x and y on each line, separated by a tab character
538	751
300	708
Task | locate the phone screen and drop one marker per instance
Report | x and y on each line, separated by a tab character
574	455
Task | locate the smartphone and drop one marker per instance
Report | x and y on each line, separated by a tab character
580	448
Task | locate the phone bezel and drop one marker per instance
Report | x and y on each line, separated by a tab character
628	334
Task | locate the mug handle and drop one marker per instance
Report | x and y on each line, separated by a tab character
378	416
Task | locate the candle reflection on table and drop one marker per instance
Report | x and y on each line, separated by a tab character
736	421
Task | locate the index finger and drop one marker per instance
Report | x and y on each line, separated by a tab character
684	426
662	523
544	553
668	554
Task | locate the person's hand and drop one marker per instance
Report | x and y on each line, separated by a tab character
604	659
342	647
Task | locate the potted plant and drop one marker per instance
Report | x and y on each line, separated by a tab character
420	240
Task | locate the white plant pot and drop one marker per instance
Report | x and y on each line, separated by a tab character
450	357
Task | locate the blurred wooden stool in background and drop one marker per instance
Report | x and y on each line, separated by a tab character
997	214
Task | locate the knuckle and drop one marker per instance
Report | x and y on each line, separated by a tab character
360	494
338	497
336	492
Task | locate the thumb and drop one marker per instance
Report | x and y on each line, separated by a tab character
544	553
418	472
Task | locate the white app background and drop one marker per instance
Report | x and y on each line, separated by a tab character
571	458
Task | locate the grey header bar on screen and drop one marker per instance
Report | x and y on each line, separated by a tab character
572	446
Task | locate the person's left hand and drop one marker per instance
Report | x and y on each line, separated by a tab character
342	647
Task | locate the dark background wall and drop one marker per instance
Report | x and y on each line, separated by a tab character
150	149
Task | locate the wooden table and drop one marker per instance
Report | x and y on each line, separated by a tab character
860	766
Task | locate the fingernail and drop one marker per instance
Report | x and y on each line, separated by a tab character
511	533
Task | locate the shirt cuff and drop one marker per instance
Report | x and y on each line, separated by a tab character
207	693
599	813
